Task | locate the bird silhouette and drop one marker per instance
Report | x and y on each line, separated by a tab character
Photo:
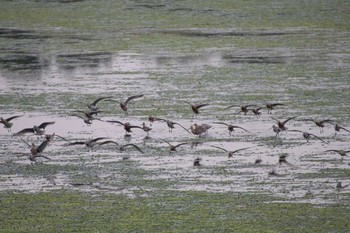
197	162
307	135
127	126
281	124
320	123
171	124
124	105
232	127
256	111
93	106
271	106
200	129
173	147
243	108
337	128
7	122
230	153
90	143
195	107
35	152
37	130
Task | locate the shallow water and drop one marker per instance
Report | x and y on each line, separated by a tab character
50	67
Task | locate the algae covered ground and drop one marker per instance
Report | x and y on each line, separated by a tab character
58	56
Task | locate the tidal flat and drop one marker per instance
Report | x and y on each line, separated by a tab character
58	56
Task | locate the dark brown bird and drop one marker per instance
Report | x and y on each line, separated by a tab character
173	147
93	105
281	124
230	153
271	106
283	160
195	108
231	127
200	129
124	105
320	123
37	130
256	111
342	153
6	122
337	128
90	143
243	108
340	186
197	162
146	128
171	124
127	126
35	151
307	135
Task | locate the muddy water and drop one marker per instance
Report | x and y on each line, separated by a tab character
50	67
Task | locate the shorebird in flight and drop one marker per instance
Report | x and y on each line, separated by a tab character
7	122
231	127
37	130
230	153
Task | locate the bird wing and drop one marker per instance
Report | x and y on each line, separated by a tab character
133	145
318	138
221	123
109	141
118	122
23	131
201	105
218	147
13	117
76	143
239	127
288	119
234	105
344	129
43	125
99	99
42	146
277	104
26	142
240	150
97	139
295	130
180	144
181	127
133	97
135	126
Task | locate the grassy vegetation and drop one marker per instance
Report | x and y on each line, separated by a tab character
69	211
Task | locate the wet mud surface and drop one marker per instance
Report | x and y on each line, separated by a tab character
309	79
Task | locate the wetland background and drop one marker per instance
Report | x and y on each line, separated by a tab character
57	56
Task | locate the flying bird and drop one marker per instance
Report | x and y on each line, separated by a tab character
320	123
173	147
7	122
200	129
281	124
230	153
342	153
271	106
127	126
37	130
124	105
195	107
231	127
307	135
93	106
243	108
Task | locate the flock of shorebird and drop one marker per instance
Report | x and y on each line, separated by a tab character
89	115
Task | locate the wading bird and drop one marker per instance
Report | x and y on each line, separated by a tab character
320	123
146	128
200	129
230	153
307	135
173	147
6	122
90	143
231	127
124	105
171	124
195	107
93	105
256	111
337	128
281	124
127	126
35	151
243	108
271	106
37	130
